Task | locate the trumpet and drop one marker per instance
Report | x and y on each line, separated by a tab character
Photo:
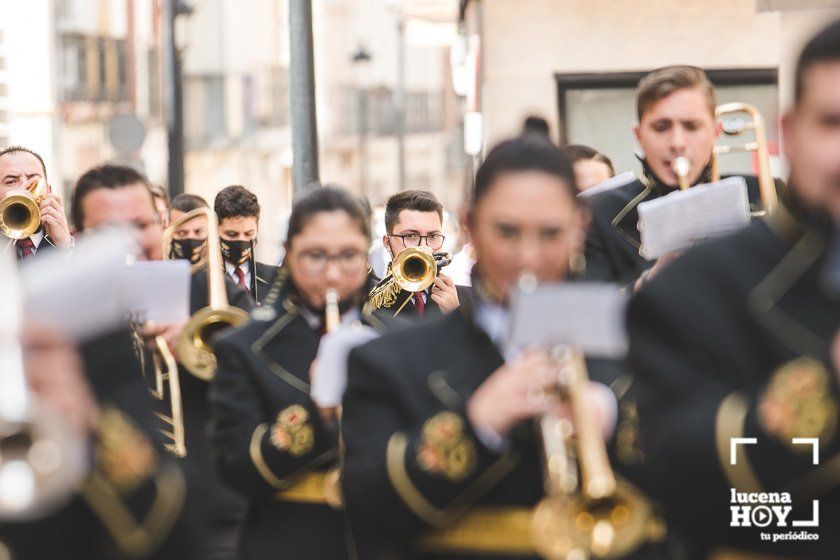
20	215
332	479
42	461
737	126
195	345
681	167
587	511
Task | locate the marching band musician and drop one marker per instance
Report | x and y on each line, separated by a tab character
20	168
415	219
676	111
115	194
273	444
188	240
739	339
238	211
436	421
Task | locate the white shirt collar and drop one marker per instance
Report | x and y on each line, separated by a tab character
231	270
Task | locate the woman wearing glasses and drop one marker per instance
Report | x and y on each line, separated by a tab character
274	445
415	219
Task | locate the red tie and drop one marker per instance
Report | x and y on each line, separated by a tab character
26	248
419	304
241	276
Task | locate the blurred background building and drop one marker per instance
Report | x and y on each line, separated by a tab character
83	82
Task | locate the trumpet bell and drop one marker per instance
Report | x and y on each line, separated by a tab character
20	216
572	526
414	269
41	463
195	347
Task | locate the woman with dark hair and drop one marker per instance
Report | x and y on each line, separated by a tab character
436	438
274	444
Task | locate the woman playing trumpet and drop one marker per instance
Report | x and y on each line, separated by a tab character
274	446
438	418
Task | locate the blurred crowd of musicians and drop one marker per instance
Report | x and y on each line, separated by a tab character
433	451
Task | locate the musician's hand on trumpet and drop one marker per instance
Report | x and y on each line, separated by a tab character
54	219
55	375
529	387
445	294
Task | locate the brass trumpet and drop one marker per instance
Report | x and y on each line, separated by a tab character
195	345
737	126
587	512
332	479
42	460
20	215
681	168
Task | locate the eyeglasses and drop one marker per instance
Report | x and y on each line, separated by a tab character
434	241
313	263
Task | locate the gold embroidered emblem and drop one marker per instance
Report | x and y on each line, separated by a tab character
292	431
797	403
123	452
445	449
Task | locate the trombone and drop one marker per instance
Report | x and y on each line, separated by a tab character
587	511
20	215
332	479
735	127
414	269
42	461
195	345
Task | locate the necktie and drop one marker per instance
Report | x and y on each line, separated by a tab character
26	248
240	274
419	304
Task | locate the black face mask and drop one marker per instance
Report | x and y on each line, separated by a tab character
189	249
237	252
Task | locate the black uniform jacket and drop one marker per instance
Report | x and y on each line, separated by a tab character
613	240
269	435
132	503
729	341
413	463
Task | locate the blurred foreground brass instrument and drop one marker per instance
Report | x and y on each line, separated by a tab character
42	460
587	512
332	479
195	346
735	127
20	213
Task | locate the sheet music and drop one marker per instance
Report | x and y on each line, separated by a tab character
158	291
588	316
682	219
612	183
81	295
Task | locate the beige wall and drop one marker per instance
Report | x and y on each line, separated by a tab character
526	43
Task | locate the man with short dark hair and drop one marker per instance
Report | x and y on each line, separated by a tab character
20	169
591	166
736	353
676	110
238	211
415	219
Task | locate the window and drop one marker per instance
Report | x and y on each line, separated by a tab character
73	67
204	110
599	110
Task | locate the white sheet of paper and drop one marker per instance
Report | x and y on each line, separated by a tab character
612	183
330	376
81	295
587	316
158	291
682	219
